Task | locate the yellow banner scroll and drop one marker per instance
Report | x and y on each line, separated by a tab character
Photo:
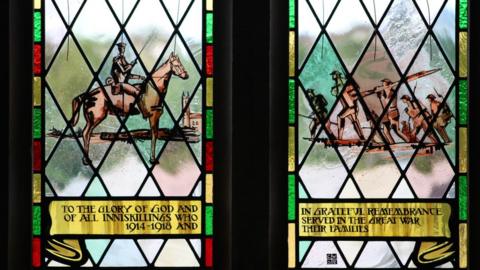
126	217
376	219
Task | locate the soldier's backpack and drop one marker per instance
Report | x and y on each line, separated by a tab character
446	113
320	101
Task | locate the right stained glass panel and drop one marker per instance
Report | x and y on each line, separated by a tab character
377	134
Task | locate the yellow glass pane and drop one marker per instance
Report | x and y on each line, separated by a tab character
291	149
463	54
209	5
209	92
37	4
209	188
291	245
463	245
291	54
37	92
36	188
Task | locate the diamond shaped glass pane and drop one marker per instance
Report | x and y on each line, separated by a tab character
149	28
123	171
444	30
176	171
308	30
54	31
95	35
68	77
316	74
323	173
403	39
350	30
430	173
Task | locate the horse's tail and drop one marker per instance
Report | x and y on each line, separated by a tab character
76	102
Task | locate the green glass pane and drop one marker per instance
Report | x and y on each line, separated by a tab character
291	197
463	14
291	18
37	26
37	123
209	124
37	216
463	198
291	102
316	74
209	220
209	30
463	102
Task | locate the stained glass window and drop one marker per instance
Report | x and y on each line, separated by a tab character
123	133
377	134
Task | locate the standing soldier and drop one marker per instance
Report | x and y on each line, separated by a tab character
443	118
319	114
392	118
418	118
349	100
121	73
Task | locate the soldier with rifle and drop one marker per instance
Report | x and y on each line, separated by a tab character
385	94
391	119
418	118
319	114
121	72
443	118
349	100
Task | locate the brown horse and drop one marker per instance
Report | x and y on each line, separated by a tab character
96	104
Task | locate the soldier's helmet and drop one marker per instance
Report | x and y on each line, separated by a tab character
336	73
121	45
109	81
431	97
386	80
310	91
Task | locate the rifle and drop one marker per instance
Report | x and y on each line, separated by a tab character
409	78
445	104
141	50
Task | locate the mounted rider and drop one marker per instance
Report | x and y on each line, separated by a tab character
443	118
121	73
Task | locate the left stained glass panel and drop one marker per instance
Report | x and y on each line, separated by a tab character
123	133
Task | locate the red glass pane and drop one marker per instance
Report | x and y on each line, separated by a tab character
37	155
209	252
37	59
209	156
36	261
209	60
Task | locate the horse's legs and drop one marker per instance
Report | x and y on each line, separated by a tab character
87	132
154	130
92	123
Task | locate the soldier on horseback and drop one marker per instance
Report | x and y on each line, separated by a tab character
121	73
443	118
